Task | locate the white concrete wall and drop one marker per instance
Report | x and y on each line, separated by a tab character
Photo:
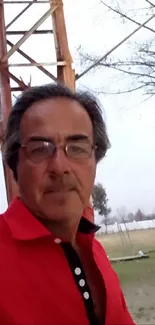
135	225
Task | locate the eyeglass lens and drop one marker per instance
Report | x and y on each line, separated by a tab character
40	150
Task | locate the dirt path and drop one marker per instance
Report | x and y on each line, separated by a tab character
141	302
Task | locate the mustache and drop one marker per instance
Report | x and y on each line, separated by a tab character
58	184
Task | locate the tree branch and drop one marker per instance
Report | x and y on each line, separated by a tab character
127	17
152	4
132	73
114	48
123	91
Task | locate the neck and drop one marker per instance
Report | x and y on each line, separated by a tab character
66	230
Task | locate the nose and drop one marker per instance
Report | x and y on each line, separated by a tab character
59	163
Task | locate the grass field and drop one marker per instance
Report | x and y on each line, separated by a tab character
137	277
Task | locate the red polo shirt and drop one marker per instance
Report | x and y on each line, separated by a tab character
88	213
42	281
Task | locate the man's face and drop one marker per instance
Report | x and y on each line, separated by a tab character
58	186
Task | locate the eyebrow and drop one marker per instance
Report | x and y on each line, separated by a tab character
74	137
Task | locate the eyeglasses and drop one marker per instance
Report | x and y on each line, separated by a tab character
38	151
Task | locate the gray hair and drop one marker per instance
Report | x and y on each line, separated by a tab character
39	93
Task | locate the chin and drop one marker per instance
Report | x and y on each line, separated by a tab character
58	205
58	212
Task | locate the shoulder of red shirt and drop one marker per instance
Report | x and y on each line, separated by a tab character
24	226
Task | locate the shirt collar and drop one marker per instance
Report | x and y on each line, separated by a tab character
24	226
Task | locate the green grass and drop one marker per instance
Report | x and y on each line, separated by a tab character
130	244
136	271
137	277
141	271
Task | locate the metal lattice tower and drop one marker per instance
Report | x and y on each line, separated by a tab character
20	57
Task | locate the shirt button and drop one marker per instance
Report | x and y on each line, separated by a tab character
82	283
77	271
86	295
57	240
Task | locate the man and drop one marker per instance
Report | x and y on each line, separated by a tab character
52	270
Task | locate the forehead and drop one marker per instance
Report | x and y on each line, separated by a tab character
55	117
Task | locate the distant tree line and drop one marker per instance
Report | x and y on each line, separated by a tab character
130	217
100	204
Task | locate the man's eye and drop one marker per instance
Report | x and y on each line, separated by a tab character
38	149
77	149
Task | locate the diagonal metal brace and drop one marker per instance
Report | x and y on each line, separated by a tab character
49	74
27	34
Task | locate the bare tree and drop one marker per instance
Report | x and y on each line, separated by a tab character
121	213
140	67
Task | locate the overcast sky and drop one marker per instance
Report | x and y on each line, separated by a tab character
128	170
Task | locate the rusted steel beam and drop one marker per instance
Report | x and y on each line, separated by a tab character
37	64
18	81
20	14
4	78
28	34
50	75
13	89
65	73
8	74
23	2
22	32
5	104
